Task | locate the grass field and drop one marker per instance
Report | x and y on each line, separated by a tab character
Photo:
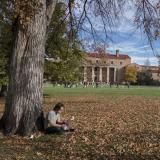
111	124
101	91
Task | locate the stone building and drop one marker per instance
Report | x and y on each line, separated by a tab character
105	67
154	70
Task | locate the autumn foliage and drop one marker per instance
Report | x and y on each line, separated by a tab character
131	74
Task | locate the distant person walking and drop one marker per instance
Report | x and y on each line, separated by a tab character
84	84
128	84
117	85
110	84
97	84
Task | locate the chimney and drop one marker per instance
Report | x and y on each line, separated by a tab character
117	53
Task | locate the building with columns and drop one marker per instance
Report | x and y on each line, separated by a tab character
105	67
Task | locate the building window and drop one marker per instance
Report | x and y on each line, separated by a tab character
121	63
105	62
112	62
97	61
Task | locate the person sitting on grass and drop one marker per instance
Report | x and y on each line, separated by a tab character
55	125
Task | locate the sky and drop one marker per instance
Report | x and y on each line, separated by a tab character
125	37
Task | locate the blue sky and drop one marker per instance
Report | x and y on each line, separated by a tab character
124	37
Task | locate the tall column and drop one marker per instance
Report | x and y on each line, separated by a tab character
93	74
107	74
100	74
115	71
85	74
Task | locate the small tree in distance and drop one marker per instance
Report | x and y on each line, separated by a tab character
131	74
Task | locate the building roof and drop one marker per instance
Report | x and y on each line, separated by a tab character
154	71
150	66
108	55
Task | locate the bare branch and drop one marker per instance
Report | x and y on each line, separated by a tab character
50	4
147	18
106	10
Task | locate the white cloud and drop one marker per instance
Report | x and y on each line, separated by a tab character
130	48
141	60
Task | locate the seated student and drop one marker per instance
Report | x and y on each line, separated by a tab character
55	125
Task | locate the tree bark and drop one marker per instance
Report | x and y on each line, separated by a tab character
3	91
23	109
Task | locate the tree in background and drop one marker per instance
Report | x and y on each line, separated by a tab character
66	55
5	46
131	74
144	78
3	74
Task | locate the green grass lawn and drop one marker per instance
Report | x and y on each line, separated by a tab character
101	91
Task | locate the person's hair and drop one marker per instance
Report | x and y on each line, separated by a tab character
58	106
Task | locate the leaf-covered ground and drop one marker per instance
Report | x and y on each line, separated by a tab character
123	128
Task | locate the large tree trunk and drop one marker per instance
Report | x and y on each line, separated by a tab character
23	109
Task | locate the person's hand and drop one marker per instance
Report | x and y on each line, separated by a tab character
65	127
65	122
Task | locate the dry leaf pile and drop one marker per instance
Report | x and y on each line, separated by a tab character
106	128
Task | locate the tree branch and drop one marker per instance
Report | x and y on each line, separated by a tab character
50	6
